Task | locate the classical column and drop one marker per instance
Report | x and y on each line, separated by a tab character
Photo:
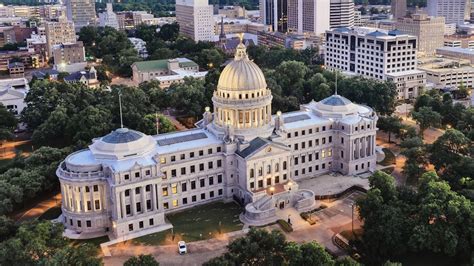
91	196
142	192
122	204
157	197
83	200
153	197
132	202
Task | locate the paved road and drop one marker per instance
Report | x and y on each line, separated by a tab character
39	208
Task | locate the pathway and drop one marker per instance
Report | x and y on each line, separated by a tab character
40	208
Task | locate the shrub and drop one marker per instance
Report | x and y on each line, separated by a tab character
285	226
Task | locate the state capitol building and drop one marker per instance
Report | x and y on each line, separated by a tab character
126	181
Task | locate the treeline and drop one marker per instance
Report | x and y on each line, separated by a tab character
42	243
428	219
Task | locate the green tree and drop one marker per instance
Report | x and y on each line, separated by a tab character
390	124
8	123
426	118
189	97
141	260
149	124
84	254
416	158
310	254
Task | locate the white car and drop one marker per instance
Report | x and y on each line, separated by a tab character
182	247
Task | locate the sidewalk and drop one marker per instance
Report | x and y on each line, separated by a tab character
39	208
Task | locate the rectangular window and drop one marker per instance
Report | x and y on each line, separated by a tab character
191	155
211	181
96	188
202	182
201	153
89	206
193	184
192	169
183	170
252	185
165	205
219	163
79	224
185	201
260	183
269	181
173	158
130	227
203	196
151	221
209	151
127	209
97	204
219	179
137	174
173	173
219	192
219	149
174	188
211	194
209	165
193	198
165	191
127	177
182	156
175	203
137	190
184	187
139	207
330	139
201	167
88	223
140	224
148	204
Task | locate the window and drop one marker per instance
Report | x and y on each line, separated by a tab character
182	156
148	204
219	163
277	179
137	190
165	191
324	128
88	223
203	196
211	194
151	222
175	203
209	165
201	167
219	192
209	151
127	209
139	207
260	183
269	181
173	158
137	174
127	177
252	185
173	173
330	139
183	170
219	179
89	206
174	188
183	187
147	188
191	155
201	153
202	182
166	205
97	204
185	201
163	160
219	149
211	181
296	160
284	165
87	189
193	184
193	198
342	140
130	227
284	176
140	224
296	146
192	169
269	169
324	141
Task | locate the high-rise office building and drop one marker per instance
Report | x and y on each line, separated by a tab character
195	19
376	54
428	30
342	13
308	16
81	12
275	13
454	11
108	18
60	32
399	8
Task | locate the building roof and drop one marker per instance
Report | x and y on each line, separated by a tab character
122	135
75	76
16	64
162	64
336	100
254	145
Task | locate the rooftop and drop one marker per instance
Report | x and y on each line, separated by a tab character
162	64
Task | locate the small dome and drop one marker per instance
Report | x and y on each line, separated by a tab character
122	135
336	100
121	144
241	73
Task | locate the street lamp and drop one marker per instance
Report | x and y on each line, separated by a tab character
272	189
289	185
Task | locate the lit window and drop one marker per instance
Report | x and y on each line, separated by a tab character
175	203
174	188
165	191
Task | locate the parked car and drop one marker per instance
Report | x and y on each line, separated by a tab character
182	249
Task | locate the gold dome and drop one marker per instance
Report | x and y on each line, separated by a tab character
241	73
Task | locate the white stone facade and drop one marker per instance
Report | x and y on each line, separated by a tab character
127	181
377	54
195	19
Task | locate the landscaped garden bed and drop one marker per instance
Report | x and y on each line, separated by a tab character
307	216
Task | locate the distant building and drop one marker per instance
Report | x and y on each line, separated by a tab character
275	14
16	70
167	71
37	43
290	40
60	32
12	94
454	11
30	59
69	57
81	12
195	19
308	16
457	53
399	8
459	40
341	13
233	12
232	26
428	30
86	77
108	18
448	73
50	74
140	47
377	54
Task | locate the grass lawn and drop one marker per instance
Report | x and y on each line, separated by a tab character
198	223
389	157
51	214
93	241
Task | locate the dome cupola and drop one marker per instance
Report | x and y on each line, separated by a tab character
242	100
